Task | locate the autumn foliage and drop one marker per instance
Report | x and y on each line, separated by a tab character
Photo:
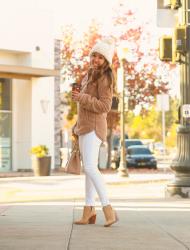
141	66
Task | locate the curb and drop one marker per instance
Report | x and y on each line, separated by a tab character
138	182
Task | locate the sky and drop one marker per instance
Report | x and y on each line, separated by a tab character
80	12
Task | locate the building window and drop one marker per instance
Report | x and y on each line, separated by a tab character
5	125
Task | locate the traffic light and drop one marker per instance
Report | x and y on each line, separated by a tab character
173	4
165	48
172	47
180	39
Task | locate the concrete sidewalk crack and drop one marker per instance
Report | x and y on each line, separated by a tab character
179	241
168	233
3	209
71	231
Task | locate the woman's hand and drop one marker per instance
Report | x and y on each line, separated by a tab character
75	96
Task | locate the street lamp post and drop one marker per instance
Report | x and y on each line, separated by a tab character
122	170
181	163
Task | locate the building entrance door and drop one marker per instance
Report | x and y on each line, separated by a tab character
5	124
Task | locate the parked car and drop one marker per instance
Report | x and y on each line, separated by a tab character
140	156
132	142
115	153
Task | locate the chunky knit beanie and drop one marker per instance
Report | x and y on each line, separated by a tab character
104	47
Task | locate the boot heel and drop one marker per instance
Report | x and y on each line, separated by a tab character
110	215
92	219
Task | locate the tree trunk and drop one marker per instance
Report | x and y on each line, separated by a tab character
109	141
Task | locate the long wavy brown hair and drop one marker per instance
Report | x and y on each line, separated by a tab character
95	74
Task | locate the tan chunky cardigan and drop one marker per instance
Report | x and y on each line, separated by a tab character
95	101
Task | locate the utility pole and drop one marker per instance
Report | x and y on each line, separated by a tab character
163	106
122	170
122	51
181	47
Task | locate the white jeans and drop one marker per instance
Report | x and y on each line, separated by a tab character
89	145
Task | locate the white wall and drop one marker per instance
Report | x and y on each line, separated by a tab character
33	123
15	58
43	113
22	28
21	130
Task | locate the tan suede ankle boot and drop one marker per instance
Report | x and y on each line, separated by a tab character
89	216
110	215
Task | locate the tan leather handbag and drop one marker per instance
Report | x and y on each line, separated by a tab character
73	165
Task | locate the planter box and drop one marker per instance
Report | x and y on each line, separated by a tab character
41	166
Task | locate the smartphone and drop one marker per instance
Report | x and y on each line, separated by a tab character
76	87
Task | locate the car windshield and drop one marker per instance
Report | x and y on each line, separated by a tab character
139	151
132	143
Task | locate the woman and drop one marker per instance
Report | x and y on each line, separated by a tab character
94	102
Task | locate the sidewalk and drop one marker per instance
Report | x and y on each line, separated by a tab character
143	225
37	213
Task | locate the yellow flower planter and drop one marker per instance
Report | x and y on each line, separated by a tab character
41	165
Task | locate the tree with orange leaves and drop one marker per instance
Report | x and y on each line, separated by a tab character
141	66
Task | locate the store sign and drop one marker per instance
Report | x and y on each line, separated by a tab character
186	111
162	102
5	164
5	142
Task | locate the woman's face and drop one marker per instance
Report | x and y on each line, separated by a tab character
96	60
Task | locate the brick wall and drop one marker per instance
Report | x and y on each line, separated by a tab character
57	126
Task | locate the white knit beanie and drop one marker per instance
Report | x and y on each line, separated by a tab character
104	47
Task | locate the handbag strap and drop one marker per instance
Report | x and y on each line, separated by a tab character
75	147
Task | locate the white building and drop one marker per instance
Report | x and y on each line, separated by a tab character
27	87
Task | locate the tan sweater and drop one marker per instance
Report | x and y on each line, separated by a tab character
95	101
